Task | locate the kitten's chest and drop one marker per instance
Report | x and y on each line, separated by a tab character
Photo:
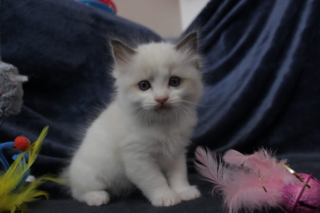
168	143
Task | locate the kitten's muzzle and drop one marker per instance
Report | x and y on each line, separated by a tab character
161	100
162	107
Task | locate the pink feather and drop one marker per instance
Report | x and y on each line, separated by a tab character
210	169
234	157
260	161
241	188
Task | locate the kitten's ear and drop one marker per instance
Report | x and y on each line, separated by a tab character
121	52
189	43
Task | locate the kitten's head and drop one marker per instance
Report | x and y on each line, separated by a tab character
158	79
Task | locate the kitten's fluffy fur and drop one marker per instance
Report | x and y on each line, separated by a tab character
140	139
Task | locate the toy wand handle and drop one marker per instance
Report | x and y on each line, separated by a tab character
3	160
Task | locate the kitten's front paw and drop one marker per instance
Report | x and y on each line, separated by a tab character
97	198
189	193
166	200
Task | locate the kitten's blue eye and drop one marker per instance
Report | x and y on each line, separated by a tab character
144	85
174	81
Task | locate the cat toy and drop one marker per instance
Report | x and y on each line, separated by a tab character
258	181
106	5
11	91
14	191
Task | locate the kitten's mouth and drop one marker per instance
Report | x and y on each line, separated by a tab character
162	108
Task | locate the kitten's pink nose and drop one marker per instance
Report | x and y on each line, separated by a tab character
161	100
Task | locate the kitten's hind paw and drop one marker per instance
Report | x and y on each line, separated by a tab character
189	193
97	198
166	200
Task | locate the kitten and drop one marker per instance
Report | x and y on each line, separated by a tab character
140	139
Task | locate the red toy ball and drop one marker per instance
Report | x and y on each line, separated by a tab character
21	143
110	4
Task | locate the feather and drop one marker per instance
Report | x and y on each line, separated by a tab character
257	161
13	198
210	168
261	161
241	187
234	157
16	200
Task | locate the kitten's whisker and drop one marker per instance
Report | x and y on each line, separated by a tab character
189	102
180	111
138	115
177	117
197	105
147	117
150	117
141	115
187	110
139	107
194	114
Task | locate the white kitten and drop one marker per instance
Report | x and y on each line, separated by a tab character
140	139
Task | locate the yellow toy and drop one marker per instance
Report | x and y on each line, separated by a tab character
14	192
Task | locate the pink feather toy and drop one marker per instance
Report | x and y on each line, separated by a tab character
258	181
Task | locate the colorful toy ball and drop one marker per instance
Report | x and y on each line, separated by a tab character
106	5
22	143
300	198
